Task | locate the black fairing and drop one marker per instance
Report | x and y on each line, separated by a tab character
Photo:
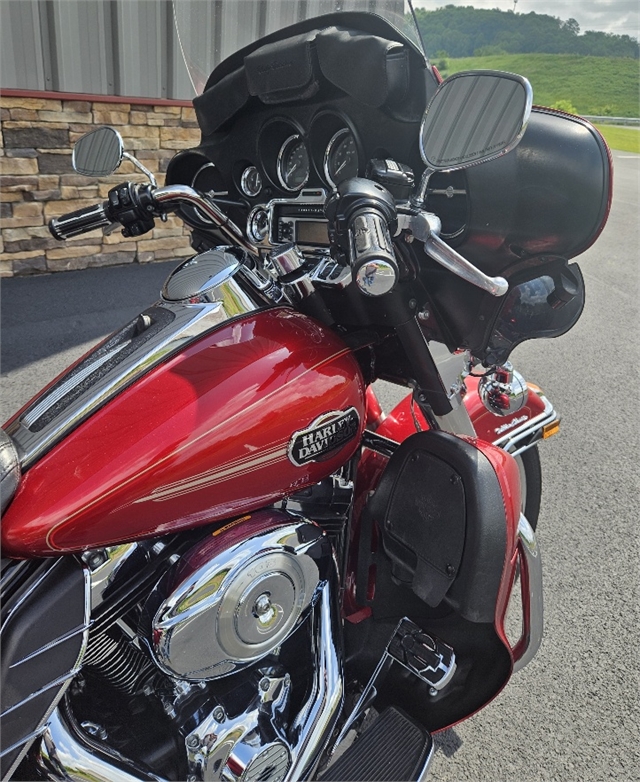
44	626
527	212
440	508
360	54
549	196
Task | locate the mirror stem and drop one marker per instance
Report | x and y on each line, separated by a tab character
142	168
419	198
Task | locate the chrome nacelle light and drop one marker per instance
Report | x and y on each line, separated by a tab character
503	391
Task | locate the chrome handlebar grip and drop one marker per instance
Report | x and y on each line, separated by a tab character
371	254
79	222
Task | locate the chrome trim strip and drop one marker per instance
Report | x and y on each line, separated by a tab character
51	685
29	592
50	399
191	321
510	441
50	645
532	581
30	737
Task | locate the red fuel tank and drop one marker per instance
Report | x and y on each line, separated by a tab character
254	410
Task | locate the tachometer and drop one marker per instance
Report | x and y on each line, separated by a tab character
341	157
293	163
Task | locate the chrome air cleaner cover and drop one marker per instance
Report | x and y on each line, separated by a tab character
236	595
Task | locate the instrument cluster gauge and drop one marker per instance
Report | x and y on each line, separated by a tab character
293	163
258	224
341	157
251	182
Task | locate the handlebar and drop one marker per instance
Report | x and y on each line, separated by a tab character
360	214
134	207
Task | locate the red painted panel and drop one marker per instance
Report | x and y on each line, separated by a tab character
202	437
399	424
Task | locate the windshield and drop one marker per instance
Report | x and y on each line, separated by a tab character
209	31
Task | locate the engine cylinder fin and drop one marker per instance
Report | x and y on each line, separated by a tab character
119	662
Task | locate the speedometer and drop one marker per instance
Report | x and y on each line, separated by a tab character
341	157
293	163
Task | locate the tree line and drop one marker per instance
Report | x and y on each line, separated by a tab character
462	31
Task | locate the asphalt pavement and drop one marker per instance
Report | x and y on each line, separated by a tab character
573	714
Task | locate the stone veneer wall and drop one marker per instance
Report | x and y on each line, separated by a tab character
38	182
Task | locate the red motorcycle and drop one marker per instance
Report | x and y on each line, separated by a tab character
221	559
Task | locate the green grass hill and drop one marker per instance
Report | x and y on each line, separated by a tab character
593	85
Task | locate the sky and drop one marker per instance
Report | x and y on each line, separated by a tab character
621	17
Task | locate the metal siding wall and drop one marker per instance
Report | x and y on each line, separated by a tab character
130	47
21	48
141	31
82	46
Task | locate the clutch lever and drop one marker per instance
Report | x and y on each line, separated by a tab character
425	226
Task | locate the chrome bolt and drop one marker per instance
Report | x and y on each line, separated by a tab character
287	679
433	691
262	605
94	730
264	684
218	714
193	742
424	314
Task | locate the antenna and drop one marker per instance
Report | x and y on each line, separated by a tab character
515	3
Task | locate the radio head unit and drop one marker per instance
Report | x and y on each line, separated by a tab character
300	220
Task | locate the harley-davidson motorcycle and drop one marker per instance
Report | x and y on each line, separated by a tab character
221	559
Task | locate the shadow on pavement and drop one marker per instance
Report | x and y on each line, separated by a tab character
44	315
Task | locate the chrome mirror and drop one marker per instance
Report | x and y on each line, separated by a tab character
474	116
98	153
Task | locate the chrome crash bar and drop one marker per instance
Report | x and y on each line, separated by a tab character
531	592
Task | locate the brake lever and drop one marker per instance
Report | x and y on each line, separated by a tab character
425	226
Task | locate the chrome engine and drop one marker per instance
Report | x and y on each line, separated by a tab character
228	666
223	610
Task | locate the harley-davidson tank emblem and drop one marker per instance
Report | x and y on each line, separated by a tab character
323	436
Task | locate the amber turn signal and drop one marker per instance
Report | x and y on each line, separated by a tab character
550	429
